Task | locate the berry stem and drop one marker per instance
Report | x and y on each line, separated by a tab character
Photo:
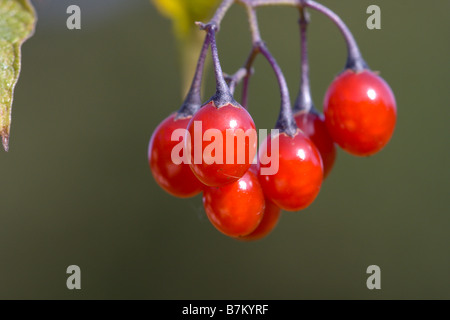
256	39
355	60
285	122
253	22
304	100
223	94
244	73
248	67
260	3
221	85
235	78
193	99
220	13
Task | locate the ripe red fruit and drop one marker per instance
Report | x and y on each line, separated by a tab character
360	112
235	209
299	177
313	126
205	160
176	179
268	222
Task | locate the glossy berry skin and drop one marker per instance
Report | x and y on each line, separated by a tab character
229	117
176	179
313	126
270	217
299	177
360	112
268	222
235	209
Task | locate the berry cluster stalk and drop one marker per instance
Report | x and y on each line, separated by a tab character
224	92
354	60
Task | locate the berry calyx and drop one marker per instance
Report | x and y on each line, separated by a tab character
360	112
313	125
230	144
297	182
176	179
235	209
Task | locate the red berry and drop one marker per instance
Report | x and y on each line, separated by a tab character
235	209
313	126
360	112
267	224
234	119
176	179
299	177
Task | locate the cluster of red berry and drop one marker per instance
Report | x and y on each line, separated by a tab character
240	200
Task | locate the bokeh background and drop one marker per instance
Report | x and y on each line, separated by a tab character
75	187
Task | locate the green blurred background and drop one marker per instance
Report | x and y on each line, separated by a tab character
75	187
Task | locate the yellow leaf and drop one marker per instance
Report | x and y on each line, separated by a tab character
184	13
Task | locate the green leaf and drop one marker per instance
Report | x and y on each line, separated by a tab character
17	21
